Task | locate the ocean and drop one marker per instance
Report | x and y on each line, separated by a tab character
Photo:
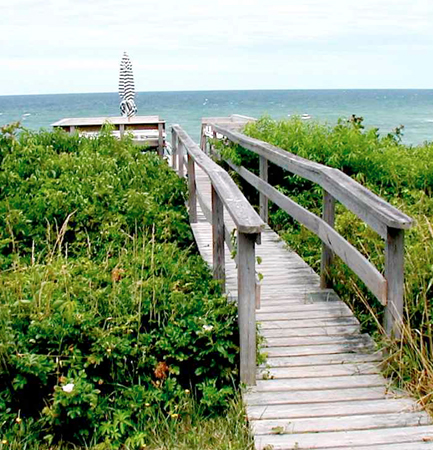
383	109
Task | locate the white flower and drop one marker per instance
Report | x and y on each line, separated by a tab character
68	387
207	327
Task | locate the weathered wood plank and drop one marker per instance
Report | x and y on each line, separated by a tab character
302	322
301	341
349	347
327	253
339	439
319	383
332	370
332	403
321	359
246	307
192	199
264	203
394	272
310	332
344	423
218	247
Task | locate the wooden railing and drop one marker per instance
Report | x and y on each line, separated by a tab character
224	193
386	220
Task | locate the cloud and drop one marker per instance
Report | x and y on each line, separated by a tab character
86	39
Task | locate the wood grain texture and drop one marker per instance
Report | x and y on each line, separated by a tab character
368	206
394	272
320	385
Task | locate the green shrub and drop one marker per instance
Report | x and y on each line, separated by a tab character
108	316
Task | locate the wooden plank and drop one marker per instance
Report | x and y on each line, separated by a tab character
160	139
192	199
333	403
339	312
333	240
305	307
174	156
344	423
421	445
327	253
369	207
394	273
242	213
301	323
301	341
319	383
246	307
322	331
218	247
275	373
339	439
352	347
264	202
322	359
180	157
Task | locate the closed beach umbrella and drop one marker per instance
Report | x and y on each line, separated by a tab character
126	88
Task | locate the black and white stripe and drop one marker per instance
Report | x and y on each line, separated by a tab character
126	88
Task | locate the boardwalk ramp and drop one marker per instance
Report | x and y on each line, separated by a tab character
321	385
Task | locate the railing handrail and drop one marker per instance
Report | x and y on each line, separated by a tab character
249	225
385	219
243	214
368	206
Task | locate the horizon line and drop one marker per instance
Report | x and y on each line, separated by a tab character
223	90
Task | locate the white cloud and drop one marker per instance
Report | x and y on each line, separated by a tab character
173	43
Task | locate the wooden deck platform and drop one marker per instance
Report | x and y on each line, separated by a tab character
321	386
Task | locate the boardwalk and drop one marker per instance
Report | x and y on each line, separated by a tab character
321	386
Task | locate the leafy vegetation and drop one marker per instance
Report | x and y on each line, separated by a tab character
112	329
402	175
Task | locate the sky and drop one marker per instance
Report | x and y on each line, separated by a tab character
75	46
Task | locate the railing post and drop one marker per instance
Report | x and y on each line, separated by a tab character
328	216
180	159
160	140
173	149
246	307
394	274
121	130
264	202
192	190
218	249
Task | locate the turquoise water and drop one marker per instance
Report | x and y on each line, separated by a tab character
384	109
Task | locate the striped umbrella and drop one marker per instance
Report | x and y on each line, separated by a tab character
126	88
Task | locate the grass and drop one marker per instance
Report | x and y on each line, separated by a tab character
191	430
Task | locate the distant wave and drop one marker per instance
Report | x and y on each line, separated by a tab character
26	114
429	120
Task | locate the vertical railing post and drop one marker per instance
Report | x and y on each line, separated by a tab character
160	140
247	306
173	149
328	216
192	190
180	159
218	249
121	129
394	274
264	202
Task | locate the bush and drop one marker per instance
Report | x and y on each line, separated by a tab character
108	316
